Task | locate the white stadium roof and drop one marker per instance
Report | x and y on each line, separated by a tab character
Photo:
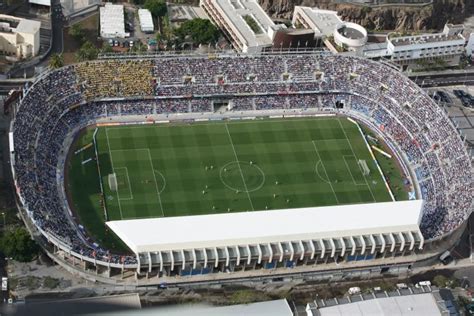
231	229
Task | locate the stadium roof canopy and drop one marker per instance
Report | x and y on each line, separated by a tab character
231	229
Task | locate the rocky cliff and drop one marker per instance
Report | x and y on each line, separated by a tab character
384	17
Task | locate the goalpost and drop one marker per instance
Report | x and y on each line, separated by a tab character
363	166
113	182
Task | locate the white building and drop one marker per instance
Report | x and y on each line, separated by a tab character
276	238
420	50
246	24
46	3
327	24
112	21
19	37
470	46
146	21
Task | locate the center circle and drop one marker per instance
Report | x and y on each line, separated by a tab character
244	176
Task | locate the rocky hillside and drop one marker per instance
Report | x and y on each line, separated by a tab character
388	17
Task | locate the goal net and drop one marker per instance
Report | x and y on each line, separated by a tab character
363	166
113	182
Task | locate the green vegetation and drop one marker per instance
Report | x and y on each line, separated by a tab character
157	8
200	31
248	296
18	245
56	61
252	24
205	168
78	33
87	52
50	283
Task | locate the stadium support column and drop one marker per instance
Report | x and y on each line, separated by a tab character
216	253
172	260
323	248
270	251
184	259
249	257
205	257
364	245
259	250
161	262
227	256
382	249
237	250
194	258
392	239
313	249
412	241
422	240
149	262
354	247
302	250
280	247
292	250
372	240
333	247
402	238
343	251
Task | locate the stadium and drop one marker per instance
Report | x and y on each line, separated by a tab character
178	168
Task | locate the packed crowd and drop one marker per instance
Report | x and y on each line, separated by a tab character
76	96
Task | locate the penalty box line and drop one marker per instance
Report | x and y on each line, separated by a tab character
129	183
152	171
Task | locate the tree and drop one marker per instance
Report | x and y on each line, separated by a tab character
87	52
19	245
56	61
440	281
78	33
199	30
106	48
156	7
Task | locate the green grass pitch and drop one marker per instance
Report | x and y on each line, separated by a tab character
220	167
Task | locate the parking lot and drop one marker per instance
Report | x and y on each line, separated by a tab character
458	102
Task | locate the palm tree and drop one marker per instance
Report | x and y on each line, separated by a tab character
56	61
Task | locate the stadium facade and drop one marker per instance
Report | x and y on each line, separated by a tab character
147	90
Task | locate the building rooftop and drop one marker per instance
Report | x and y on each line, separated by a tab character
419	304
230	229
112	21
424	38
236	11
146	21
28	26
269	308
325	20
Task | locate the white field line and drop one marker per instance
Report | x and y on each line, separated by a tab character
241	173
113	169
348	168
156	182
325	171
350	145
129	185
